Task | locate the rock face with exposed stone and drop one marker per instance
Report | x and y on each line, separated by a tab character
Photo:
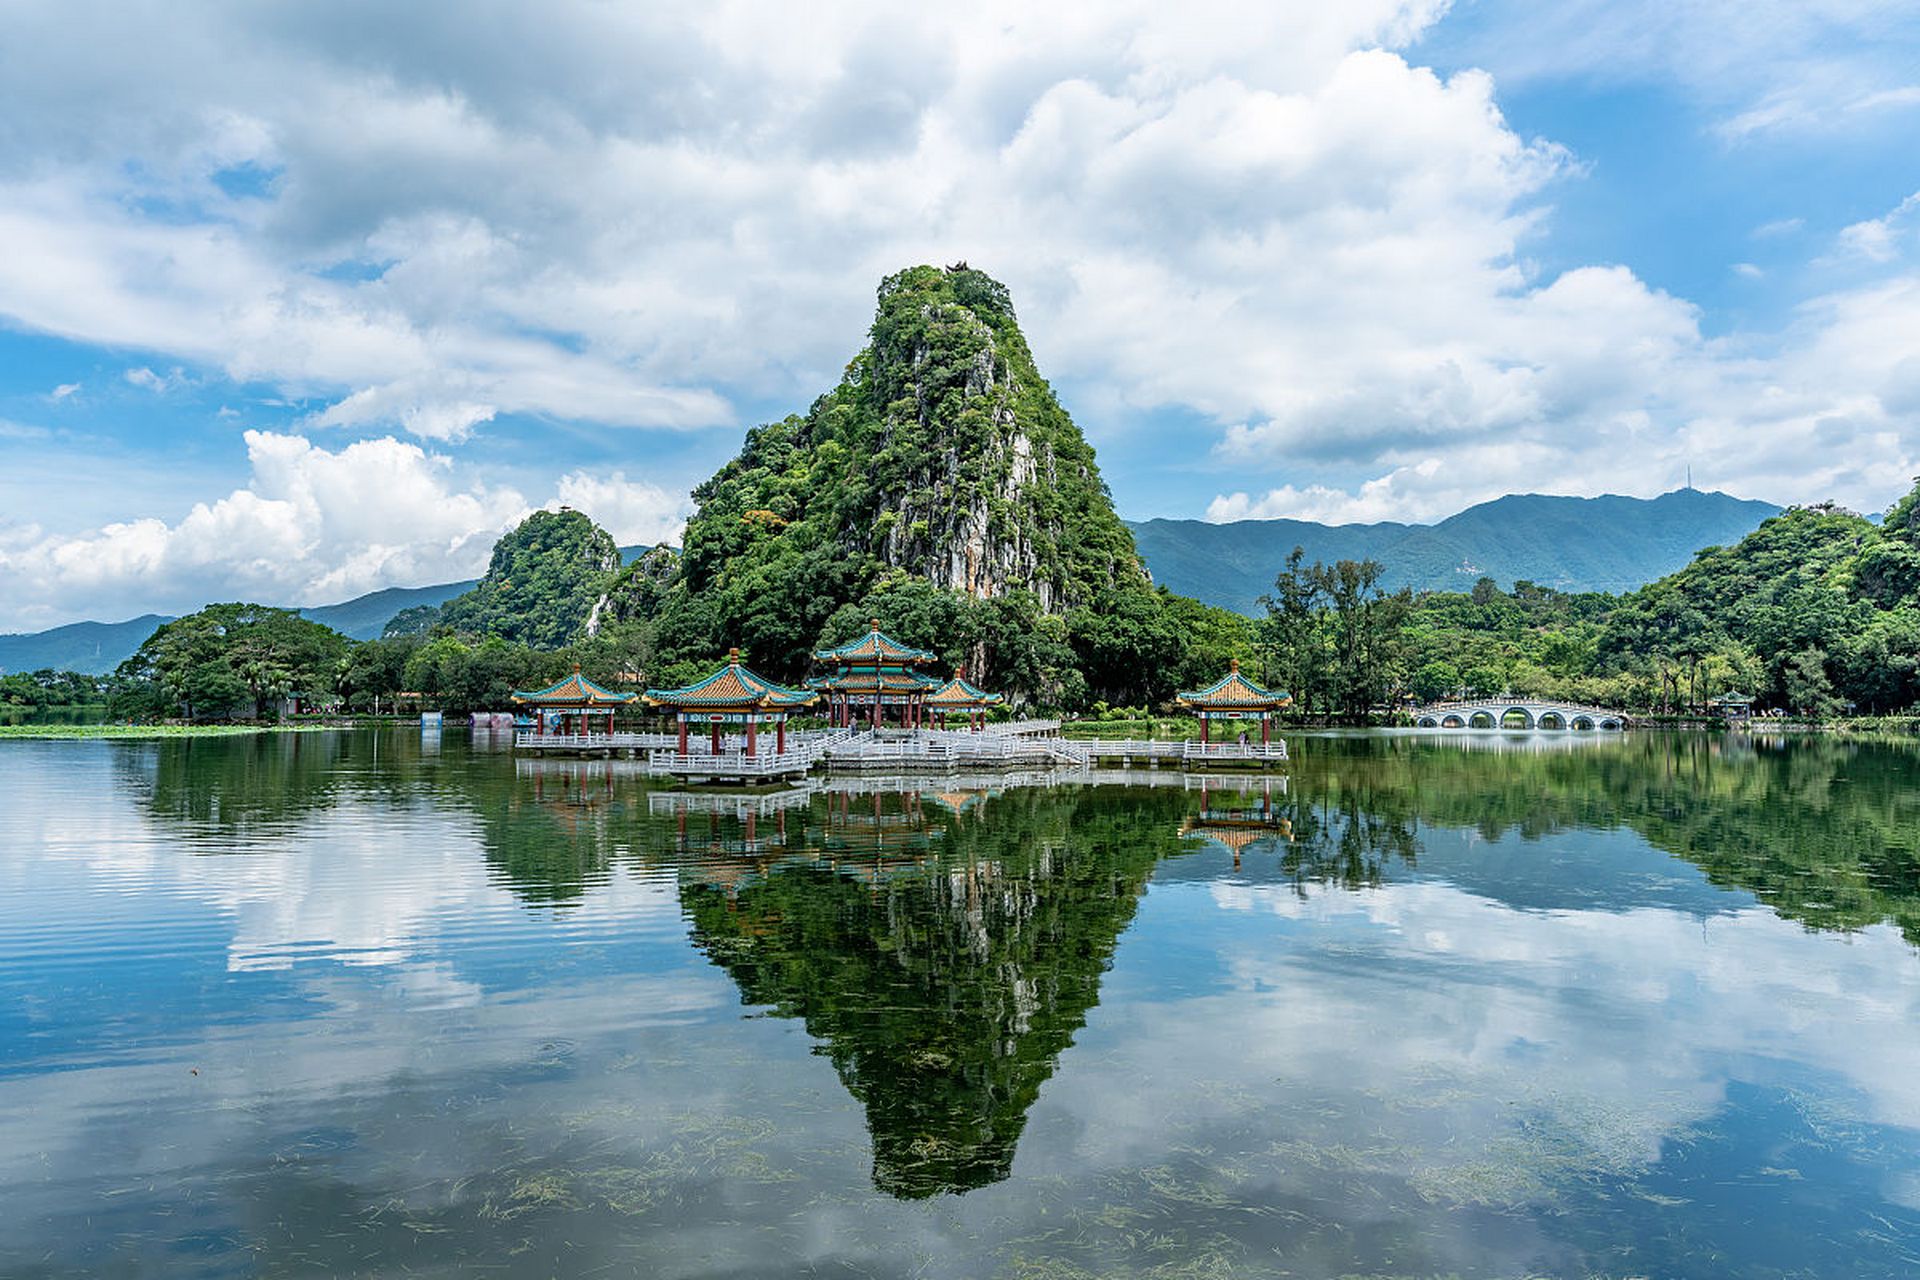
942	455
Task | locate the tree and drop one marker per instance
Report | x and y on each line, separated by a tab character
228	657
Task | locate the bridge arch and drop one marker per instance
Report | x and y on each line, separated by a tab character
1482	720
1526	717
1609	723
1583	722
1453	722
1551	720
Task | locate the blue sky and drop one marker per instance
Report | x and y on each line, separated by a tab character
300	304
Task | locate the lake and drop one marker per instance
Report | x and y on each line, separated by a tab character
371	1004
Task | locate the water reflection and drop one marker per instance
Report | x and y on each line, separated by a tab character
1621	1009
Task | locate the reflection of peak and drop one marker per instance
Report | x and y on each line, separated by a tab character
945	992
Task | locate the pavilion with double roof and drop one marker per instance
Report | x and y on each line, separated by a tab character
733	695
870	675
1234	699
957	697
575	705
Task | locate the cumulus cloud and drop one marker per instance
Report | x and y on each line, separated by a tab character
1271	217
312	526
634	512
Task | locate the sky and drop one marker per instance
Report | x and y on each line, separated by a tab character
299	302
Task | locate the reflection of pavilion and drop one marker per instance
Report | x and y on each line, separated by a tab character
718	823
1238	816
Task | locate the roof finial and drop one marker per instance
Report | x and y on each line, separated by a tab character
874	623
733	656
1233	667
576	668
960	672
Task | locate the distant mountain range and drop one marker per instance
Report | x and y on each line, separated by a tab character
1608	543
1575	544
98	647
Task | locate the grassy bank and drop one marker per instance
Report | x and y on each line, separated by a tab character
150	730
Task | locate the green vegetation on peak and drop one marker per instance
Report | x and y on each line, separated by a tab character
542	584
942	488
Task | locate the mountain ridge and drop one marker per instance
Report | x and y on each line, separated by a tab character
1246	554
1610	542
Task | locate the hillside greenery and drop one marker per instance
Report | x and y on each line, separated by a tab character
942	488
1816	612
542	582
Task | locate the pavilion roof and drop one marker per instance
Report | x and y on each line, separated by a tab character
574	691
871	680
1731	697
733	687
874	646
1235	691
958	693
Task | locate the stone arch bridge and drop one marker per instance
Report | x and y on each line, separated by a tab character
1493	713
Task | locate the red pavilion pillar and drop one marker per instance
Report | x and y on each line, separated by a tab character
752	735
1266	727
716	736
780	736
1203	728
683	733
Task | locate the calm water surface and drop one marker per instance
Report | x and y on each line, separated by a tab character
367	1004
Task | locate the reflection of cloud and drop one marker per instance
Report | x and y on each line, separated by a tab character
1643	1011
357	883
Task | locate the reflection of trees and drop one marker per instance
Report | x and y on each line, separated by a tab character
236	786
1822	831
944	988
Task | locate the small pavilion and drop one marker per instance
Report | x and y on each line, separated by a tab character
735	694
573	705
1732	705
1234	698
958	698
872	673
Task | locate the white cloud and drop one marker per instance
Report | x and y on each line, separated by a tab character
1267	216
1880	239
311	526
634	512
1758	67
147	380
64	390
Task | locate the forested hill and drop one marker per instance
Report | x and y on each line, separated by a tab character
940	487
1608	543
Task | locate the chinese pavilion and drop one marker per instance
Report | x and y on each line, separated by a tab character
733	695
871	674
573	705
958	698
1232	698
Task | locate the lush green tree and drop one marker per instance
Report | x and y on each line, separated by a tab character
231	658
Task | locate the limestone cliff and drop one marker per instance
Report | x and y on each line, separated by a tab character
942	453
